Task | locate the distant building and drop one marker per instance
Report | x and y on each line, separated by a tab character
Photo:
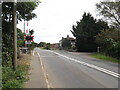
60	44
54	46
71	39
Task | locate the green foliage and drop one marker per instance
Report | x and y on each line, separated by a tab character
44	45
11	78
20	34
85	30
14	79
7	38
110	10
20	43
41	44
107	58
6	56
47	46
109	41
31	32
24	11
33	45
12	84
20	38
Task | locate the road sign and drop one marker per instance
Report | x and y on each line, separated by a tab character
28	38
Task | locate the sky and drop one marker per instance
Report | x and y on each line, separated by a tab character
55	18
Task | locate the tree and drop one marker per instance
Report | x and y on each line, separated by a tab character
33	45
47	46
85	30
24	11
31	32
42	44
109	41
20	38
111	11
101	25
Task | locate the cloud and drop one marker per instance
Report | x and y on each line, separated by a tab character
55	17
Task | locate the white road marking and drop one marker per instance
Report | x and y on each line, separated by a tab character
45	74
33	53
91	66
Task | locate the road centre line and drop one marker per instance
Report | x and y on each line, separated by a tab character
91	66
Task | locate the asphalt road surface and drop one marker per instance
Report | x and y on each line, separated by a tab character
77	70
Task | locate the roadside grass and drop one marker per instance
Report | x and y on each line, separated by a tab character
106	58
17	78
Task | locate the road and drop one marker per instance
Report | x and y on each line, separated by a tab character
77	70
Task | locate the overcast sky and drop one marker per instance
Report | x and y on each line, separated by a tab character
56	17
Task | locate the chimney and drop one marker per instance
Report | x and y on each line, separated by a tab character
67	36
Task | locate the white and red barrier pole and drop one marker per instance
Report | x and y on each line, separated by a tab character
26	34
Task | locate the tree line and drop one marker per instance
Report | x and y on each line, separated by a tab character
24	12
44	45
91	33
14	78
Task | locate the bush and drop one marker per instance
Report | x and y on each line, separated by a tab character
47	46
14	79
12	84
113	49
109	41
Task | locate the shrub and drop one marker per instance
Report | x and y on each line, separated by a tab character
14	79
109	41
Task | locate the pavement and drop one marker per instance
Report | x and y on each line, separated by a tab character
36	77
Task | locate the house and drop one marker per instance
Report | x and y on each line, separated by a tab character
54	46
71	39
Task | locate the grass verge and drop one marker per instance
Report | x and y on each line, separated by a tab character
15	79
107	58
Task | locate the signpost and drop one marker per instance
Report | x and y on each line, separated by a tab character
28	38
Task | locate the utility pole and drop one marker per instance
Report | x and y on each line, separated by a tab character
24	26
14	36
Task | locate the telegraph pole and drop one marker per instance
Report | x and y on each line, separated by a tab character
24	26
14	37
